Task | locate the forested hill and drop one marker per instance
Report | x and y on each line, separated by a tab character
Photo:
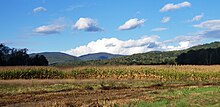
58	57
98	56
157	57
205	46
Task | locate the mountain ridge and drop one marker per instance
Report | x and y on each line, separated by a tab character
98	56
57	57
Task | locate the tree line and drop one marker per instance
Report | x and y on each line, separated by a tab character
19	57
200	57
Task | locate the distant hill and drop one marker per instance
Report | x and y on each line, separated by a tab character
98	56
58	57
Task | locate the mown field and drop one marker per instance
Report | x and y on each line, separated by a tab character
159	85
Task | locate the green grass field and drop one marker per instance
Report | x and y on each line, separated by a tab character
138	86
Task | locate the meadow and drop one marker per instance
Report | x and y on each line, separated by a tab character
153	85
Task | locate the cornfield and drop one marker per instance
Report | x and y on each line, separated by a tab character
30	73
157	72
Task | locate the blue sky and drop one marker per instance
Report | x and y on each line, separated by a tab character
80	27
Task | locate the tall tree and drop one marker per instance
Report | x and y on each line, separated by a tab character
15	57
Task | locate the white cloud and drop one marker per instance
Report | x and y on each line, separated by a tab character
49	29
165	19
115	46
131	24
159	29
128	47
39	9
87	24
184	44
172	6
181	45
209	24
197	17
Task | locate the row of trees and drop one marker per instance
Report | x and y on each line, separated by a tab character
19	57
200	57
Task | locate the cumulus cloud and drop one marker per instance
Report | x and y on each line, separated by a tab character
49	29
131	24
172	6
128	47
39	9
87	24
197	17
159	29
165	19
115	46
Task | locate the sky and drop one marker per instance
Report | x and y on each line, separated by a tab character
79	27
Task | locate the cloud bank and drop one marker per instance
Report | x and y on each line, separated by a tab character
131	46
